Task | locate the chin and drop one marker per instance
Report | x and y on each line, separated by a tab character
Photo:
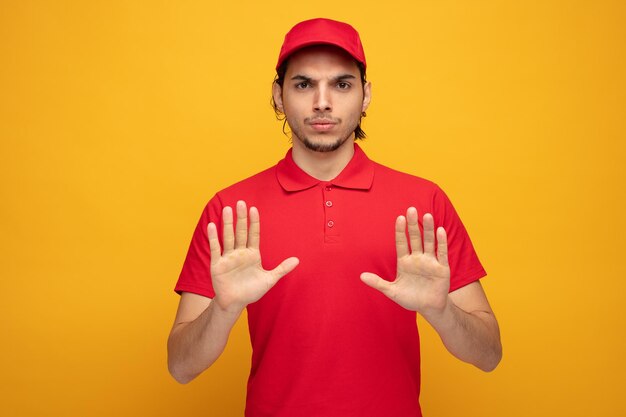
325	144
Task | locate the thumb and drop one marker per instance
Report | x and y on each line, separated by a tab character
376	282
284	268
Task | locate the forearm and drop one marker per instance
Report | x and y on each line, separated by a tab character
196	345
472	337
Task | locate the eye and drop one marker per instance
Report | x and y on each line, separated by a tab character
342	85
302	85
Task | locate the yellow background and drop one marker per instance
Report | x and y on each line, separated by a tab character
120	119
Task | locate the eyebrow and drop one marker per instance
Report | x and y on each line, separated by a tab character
341	77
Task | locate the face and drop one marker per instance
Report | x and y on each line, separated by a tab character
322	98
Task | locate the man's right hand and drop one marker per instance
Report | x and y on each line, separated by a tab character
237	274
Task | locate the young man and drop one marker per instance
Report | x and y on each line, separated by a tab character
331	285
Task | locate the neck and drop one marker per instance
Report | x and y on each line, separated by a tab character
323	166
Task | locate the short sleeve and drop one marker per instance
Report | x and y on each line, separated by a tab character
195	276
465	267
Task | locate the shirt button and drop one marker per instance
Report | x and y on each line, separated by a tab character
329	203
328	188
330	223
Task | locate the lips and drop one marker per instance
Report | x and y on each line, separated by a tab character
322	125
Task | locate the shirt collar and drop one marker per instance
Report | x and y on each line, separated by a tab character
358	174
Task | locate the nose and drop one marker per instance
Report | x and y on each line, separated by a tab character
322	100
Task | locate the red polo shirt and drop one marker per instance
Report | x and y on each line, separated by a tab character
324	343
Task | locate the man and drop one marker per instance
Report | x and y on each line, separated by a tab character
331	286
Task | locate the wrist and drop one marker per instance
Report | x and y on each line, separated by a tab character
227	309
442	316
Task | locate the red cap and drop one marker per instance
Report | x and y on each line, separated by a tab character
322	32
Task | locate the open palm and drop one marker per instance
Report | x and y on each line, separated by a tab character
423	276
237	273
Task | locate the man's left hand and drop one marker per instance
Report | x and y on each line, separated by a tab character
423	276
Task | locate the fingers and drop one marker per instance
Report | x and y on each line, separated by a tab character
214	242
442	246
254	232
376	282
239	236
429	234
241	229
228	235
415	237
402	246
284	268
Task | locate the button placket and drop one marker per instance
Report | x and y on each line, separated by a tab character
330	226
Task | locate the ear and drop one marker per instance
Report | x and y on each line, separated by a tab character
277	94
367	96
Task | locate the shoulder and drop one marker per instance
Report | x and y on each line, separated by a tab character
264	178
391	178
249	189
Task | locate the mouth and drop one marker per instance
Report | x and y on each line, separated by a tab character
322	125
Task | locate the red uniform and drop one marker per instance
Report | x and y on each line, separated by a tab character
324	343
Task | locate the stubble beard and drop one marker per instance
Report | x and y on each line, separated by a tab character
323	147
320	146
